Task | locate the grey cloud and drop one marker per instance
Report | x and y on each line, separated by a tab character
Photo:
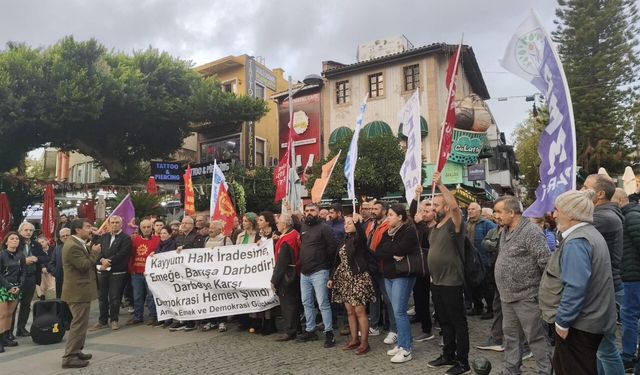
295	35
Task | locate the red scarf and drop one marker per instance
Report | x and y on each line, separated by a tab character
292	238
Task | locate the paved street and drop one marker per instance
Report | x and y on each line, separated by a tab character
144	350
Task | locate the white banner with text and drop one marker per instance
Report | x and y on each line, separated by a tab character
207	283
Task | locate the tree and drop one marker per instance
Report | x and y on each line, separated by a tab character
377	170
597	41
119	109
525	138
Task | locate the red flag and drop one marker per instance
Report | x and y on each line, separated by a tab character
189	197
5	215
450	116
224	210
280	178
281	172
49	214
152	188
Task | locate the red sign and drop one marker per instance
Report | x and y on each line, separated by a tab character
306	128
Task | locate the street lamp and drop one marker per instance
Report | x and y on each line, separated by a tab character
313	79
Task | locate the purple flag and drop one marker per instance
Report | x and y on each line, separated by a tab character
531	55
128	214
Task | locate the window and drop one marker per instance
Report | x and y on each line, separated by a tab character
223	149
259	92
342	92
228	87
260	146
411	77
376	85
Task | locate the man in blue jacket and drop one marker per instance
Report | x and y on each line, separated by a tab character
576	291
477	228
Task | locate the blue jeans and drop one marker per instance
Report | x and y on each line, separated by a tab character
630	314
375	307
609	361
142	294
316	283
399	290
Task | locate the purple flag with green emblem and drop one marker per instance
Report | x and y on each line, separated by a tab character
531	55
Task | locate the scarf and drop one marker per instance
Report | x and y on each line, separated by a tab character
292	239
393	230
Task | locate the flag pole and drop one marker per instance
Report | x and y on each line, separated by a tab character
289	140
449	90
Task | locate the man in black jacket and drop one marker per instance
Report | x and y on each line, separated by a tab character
608	220
34	259
630	273
55	263
112	273
317	253
188	239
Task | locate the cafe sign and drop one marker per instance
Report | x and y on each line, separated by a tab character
466	146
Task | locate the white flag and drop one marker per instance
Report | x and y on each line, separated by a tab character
412	166
352	155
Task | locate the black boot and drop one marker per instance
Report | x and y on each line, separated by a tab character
268	327
6	341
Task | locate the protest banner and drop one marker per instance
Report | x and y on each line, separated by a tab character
207	283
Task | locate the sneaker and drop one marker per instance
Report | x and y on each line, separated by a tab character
177	326
401	357
130	310
96	327
133	322
628	366
329	340
222	327
527	355
441	361
158	324
189	328
374	332
424	337
411	311
393	351
487	316
492	344
207	327
307	336
114	325
391	338
459	369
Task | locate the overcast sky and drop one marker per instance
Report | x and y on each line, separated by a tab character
296	35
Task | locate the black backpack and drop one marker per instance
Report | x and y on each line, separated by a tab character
51	319
474	270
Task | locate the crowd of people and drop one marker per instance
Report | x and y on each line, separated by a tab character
551	287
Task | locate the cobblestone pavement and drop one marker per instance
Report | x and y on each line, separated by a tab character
243	353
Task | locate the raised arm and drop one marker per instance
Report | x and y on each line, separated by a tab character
450	200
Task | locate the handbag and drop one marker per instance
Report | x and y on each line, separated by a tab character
414	264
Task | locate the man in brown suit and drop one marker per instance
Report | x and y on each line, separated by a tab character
79	289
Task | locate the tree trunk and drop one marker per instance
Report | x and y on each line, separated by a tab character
115	167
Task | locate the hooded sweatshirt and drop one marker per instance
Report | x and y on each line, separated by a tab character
609	220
